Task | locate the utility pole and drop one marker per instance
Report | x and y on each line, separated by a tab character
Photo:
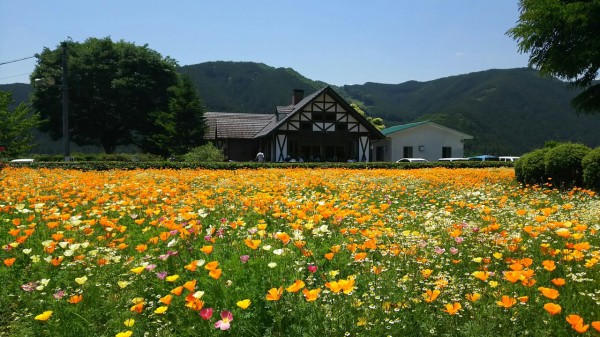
65	102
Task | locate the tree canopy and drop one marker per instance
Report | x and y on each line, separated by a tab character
113	89
16	127
563	39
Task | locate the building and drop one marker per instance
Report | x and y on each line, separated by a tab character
426	140
318	127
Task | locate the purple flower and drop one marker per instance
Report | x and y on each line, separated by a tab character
454	250
29	286
244	258
223	323
207	237
150	267
439	250
161	275
58	295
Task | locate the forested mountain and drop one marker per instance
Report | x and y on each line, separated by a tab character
509	112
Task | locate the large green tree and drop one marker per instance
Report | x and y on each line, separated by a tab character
16	127
563	39
112	87
181	128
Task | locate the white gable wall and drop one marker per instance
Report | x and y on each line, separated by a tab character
426	141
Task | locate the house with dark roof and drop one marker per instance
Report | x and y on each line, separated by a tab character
426	140
319	127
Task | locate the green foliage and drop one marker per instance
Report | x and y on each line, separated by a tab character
376	122
591	169
112	87
204	153
16	127
563	164
530	168
181	128
562	39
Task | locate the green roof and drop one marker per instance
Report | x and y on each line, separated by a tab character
401	127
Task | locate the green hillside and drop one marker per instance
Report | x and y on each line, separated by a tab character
509	112
246	86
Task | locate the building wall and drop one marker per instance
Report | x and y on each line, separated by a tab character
426	141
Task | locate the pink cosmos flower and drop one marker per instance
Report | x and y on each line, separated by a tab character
206	313
244	258
312	268
223	323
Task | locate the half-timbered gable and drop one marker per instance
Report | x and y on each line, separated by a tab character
319	127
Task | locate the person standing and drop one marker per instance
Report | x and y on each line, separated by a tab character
260	157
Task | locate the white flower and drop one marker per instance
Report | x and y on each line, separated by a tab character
278	251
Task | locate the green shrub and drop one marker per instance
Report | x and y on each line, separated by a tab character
530	168
563	164
204	153
591	169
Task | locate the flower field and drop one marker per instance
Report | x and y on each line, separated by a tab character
295	252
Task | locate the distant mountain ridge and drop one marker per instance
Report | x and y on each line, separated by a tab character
508	112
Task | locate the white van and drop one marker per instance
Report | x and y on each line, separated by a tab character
508	158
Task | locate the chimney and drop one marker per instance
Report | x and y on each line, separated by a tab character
297	96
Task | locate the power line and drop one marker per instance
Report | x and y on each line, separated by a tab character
13	61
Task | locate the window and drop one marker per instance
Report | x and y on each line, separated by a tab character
446	152
341	126
408	152
306	126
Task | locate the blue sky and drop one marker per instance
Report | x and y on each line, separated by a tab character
335	41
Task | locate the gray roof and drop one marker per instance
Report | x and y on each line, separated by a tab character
235	125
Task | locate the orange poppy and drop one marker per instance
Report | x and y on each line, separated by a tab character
9	261
430	295
215	273
166	300
473	297
452	308
298	284
549	292
507	302
274	294
253	244
190	285
553	308
75	299
211	265
311	295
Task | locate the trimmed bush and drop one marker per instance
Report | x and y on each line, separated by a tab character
563	164
204	153
591	169
530	168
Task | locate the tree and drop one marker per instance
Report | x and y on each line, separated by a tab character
112	86
375	121
563	39
16	127
182	127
